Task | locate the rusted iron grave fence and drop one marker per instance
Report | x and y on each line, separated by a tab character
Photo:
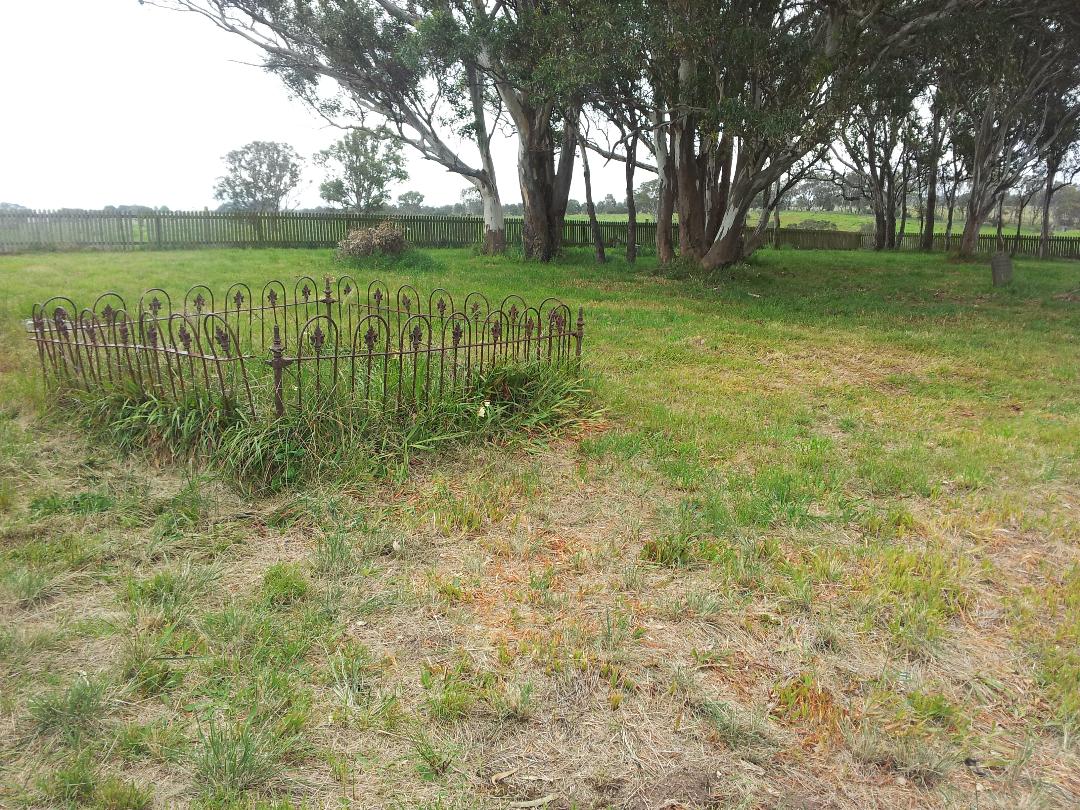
283	346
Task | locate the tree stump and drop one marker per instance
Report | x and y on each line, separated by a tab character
1001	267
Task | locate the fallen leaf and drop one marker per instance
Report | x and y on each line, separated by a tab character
536	802
504	775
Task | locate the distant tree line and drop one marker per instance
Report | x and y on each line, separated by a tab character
933	106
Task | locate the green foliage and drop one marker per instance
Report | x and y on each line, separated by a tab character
259	177
73	712
116	794
82	503
1048	626
917	593
284	584
231	760
810	224
71	784
361	166
336	434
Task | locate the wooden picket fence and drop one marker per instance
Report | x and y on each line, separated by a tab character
107	230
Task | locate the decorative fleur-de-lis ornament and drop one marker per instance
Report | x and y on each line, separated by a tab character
305	292
441	306
457	333
152	336
513	313
200	302
405	302
185	338
370	337
155	305
415	337
108	313
496	330
222	337
123	331
272	297
238	299
88	332
348	288
476	309
318	338
378	298
528	327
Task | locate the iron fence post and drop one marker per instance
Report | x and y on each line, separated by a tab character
278	363
580	333
328	300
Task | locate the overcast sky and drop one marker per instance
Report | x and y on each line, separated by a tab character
110	102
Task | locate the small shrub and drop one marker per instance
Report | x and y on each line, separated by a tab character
382	240
814	225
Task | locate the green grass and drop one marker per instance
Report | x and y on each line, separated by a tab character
828	513
845	221
858	222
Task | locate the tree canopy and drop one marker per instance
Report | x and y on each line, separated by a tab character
259	177
360	168
729	104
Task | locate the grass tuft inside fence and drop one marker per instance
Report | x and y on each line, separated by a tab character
332	437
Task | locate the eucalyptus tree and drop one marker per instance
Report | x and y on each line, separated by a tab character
1062	159
545	59
361	166
1013	64
746	94
932	156
406	65
873	149
259	177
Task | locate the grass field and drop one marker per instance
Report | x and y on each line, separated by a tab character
857	222
820	549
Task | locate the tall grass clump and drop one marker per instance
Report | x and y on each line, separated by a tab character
335	434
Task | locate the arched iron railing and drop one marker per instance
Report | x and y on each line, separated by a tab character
280	345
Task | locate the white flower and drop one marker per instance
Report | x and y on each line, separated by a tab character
483	409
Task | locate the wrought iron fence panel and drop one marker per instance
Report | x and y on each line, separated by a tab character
281	346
